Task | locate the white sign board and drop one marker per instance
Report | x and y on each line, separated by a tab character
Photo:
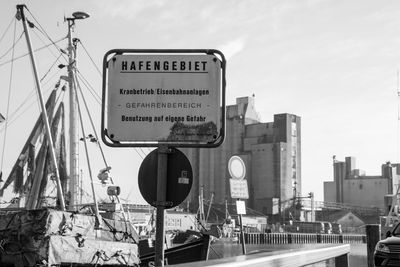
163	98
239	189
240	207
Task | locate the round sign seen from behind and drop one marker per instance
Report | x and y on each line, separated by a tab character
179	178
236	168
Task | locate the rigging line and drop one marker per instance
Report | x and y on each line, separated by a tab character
29	97
8	27
87	155
141	149
130	191
12	47
26	54
92	124
137	151
52	65
94	131
8	103
127	196
140	155
48	47
43	31
14	116
91	91
91	59
89	86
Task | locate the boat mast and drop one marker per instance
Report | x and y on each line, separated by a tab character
73	129
21	15
73	114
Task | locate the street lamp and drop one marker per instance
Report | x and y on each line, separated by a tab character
80	15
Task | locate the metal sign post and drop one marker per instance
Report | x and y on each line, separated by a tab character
241	209
239	190
165	179
161	199
242	235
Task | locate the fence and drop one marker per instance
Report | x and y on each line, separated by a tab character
298	238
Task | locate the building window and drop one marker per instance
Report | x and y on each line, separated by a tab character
294	129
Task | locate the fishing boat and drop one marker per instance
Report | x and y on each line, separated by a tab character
45	224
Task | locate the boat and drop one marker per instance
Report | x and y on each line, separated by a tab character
43	227
196	250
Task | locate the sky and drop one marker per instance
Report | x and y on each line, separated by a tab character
333	63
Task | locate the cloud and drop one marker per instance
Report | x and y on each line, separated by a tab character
126	9
233	47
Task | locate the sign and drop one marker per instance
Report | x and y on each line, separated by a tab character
179	178
172	98
239	189
236	168
240	207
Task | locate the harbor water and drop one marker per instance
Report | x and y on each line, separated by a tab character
357	256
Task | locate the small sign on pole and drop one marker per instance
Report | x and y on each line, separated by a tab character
240	207
239	189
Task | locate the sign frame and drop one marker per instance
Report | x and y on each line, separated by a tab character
156	143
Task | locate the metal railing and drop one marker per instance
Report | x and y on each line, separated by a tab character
300	238
294	258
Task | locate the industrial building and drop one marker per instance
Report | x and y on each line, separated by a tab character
271	152
352	186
